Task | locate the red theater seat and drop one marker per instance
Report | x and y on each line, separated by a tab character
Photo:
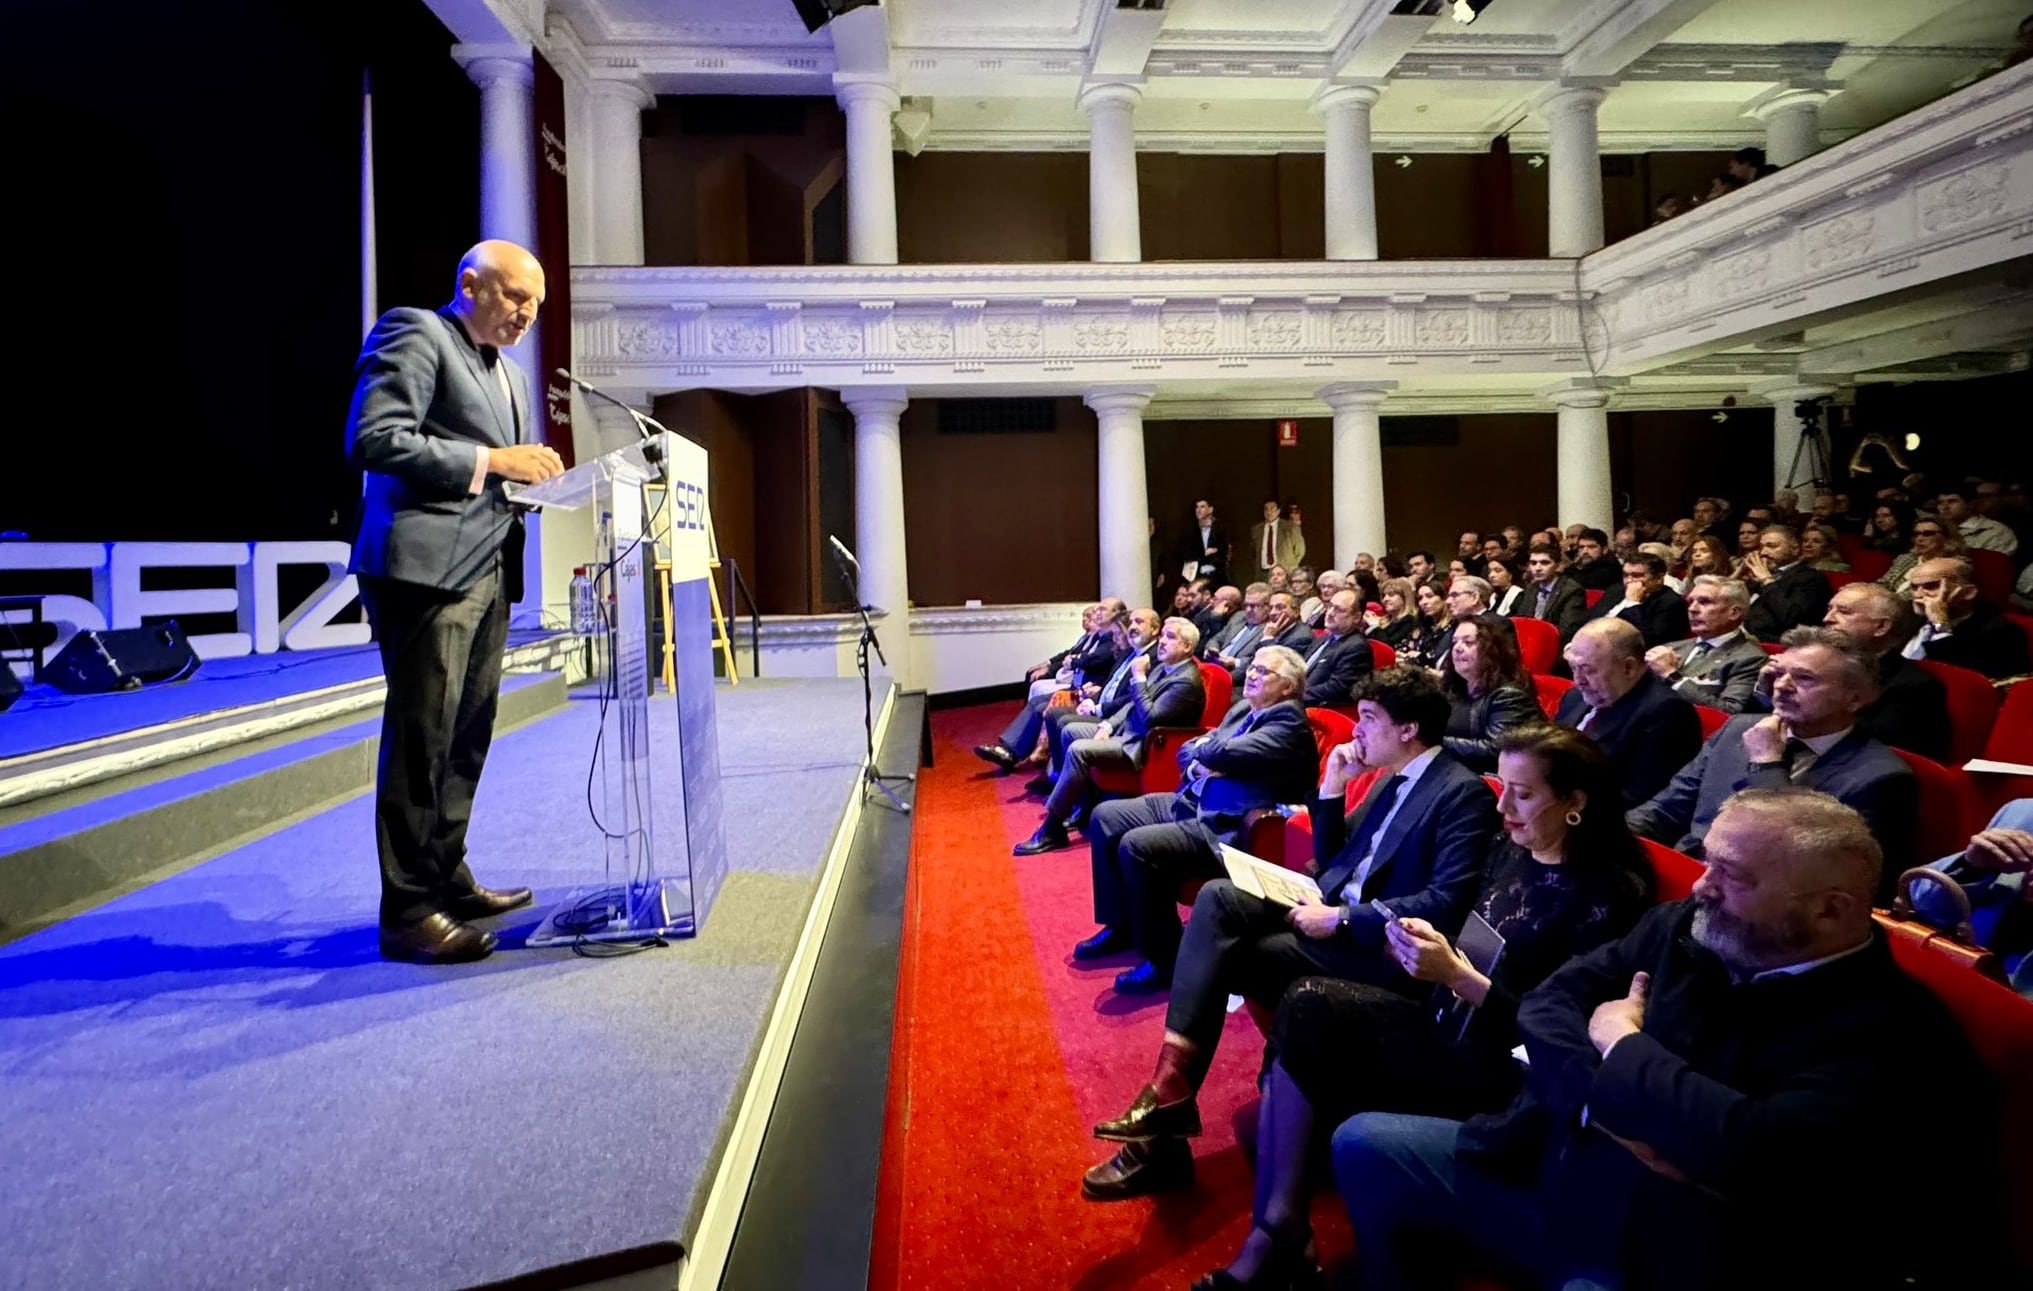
1836	578
1160	771
1592	595
1870	563
1675	871
1972	709
1712	719
1947	806
1548	691
1538	644
1993	571
2011	737
1382	655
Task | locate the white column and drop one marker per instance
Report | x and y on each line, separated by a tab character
1574	178
871	168
1351	181
1792	117
1125	506
879	517
1113	232
1791	468
1358	471
1583	455
617	107
507	84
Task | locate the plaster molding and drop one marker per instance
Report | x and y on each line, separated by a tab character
952	620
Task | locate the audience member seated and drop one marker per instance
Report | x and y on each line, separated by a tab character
1710	555
1566	877
1428	646
1958	628
1788	593
1667	558
1992	872
1206	614
1657	611
1400	615
1489	691
1505	575
1241	620
1281	628
1167	691
1594	567
1551	595
1418	842
1261	755
1710	1101
1342	659
1086	663
1931	541
1313	607
1818	549
1979	532
1719	664
1819	684
1467	594
1140	639
1648	731
1279	578
1419	565
1711	515
1891	528
1911	710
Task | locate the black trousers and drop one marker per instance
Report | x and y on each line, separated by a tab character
441	652
1238	944
1141	850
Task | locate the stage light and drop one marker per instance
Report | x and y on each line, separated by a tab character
1912	441
1465	11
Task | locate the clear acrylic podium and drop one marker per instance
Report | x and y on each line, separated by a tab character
658	763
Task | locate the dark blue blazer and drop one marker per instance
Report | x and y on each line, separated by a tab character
424	404
1274	762
1334	668
1649	734
1164	698
1429	863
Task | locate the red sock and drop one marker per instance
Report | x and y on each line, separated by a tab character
1173	1080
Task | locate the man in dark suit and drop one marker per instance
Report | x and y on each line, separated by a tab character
1958	628
1418	842
1206	549
1705	1091
1081	667
1342	659
1164	692
1719	664
1142	848
1811	739
1064	724
1244	629
1648	731
1551	596
1647	603
1281	628
437	424
1595	567
1228	610
1911	710
1790	592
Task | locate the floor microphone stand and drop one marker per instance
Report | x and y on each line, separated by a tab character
870	777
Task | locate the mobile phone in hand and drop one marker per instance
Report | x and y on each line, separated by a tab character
1390	916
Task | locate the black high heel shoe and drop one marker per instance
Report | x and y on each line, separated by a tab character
1285	1269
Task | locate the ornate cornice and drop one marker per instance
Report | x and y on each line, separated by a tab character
955	620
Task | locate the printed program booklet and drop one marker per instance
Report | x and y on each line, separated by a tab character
1272	882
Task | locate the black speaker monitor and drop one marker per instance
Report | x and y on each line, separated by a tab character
95	663
817	13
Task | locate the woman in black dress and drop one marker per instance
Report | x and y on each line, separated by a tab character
1429	643
1401	615
1566	876
1489	688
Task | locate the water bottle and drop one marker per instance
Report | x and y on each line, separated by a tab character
585	613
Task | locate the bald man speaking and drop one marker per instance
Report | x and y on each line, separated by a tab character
438	423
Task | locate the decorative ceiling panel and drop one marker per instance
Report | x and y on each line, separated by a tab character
993	24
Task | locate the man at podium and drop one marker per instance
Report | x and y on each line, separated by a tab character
438	423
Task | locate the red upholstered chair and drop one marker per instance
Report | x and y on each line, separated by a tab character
1972	709
1382	655
1675	871
1160	771
1712	719
1870	563
1592	595
1947	804
1837	578
1771	647
1549	690
2012	734
1270	833
1538	644
1849	544
1994	576
2000	1027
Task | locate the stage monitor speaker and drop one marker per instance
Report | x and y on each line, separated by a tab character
125	659
817	13
10	686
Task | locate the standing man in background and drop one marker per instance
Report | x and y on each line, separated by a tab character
1276	541
438	426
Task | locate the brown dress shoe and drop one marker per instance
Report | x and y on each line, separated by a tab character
1140	1169
1147	1118
485	903
435	939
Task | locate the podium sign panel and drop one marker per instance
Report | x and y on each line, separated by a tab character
663	855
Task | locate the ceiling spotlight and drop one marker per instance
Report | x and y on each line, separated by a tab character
1537	161
1464	11
1403	162
1912	441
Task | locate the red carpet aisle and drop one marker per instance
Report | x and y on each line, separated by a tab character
1006	1053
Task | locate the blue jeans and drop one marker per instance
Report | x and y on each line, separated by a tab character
1397	1171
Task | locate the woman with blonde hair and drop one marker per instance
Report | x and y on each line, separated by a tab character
1401	614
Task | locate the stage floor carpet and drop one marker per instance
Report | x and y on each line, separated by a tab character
216	1082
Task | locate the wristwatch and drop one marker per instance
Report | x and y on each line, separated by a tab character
1347	916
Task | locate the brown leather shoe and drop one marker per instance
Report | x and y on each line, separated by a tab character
1140	1169
1147	1118
435	939
485	903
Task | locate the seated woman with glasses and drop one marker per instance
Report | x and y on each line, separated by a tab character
1932	539
1490	690
1566	877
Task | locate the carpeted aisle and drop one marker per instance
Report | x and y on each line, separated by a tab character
1006	1053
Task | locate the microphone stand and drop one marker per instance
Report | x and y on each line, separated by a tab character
870	777
646	426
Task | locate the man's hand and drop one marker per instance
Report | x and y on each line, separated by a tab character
1140	666
1102	731
1636	592
1765	741
1311	919
1086	708
1615	1019
1662	661
1343	765
1757	569
525	463
1932	604
2008	851
1038	673
1090	690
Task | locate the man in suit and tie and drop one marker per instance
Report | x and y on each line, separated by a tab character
1081	667
1164	692
1811	738
1342	659
1275	541
1206	551
1648	731
438	426
1140	638
1959	629
1142	848
1245	630
1228	600
1551	596
1418	842
1719	664
1790	592
1911	710
1657	611
1281	628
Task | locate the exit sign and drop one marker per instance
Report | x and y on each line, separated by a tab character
1288	434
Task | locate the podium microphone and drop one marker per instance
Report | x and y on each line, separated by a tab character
652	450
840	549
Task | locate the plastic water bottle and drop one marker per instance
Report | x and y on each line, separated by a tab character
585	613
